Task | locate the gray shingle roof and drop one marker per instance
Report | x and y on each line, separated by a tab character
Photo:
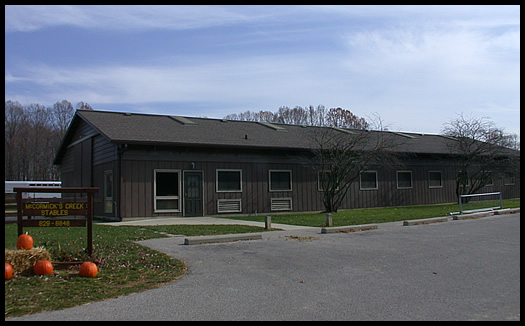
134	128
121	127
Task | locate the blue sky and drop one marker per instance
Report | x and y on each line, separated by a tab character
414	66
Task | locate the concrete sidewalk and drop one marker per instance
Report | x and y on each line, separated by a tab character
205	220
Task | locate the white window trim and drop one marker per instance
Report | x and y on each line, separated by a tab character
397	179
226	170
319	186
155	197
440	179
106	173
270	180
361	184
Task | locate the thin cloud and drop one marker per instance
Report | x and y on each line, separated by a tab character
424	71
220	81
20	18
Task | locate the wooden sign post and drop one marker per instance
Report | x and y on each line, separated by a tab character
56	210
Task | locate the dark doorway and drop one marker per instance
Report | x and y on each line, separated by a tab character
193	201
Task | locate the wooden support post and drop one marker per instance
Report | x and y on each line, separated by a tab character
268	223
89	218
329	221
19	212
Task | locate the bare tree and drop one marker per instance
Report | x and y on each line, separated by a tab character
481	152
307	116
343	154
84	106
32	135
15	118
63	112
341	118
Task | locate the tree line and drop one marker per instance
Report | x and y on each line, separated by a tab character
33	134
307	116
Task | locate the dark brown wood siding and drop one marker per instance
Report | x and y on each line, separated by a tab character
139	163
88	156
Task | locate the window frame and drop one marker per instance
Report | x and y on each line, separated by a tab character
440	179
106	197
509	179
156	197
270	180
397	179
361	181
319	181
227	170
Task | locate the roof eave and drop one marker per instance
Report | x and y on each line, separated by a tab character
66	140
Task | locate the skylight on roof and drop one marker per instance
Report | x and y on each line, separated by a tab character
272	126
183	120
404	135
346	131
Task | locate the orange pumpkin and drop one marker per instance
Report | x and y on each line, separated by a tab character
43	267
25	241
88	269
8	271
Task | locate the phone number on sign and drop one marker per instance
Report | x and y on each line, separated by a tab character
54	223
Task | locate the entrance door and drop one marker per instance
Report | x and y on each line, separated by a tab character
193	198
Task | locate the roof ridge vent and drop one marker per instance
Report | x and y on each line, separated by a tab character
271	126
183	120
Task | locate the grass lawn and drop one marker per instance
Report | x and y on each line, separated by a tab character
369	215
125	267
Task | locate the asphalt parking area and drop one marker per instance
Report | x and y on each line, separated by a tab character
459	270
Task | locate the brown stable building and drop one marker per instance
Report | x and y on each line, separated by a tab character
156	165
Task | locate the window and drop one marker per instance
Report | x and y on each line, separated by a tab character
167	190
108	191
280	180
368	180
404	179
434	179
324	180
229	181
508	180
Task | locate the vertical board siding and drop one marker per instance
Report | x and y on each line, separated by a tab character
137	190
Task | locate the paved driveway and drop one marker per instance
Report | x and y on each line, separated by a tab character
458	270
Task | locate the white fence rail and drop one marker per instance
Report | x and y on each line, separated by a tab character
460	200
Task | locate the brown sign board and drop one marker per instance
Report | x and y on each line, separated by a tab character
54	209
